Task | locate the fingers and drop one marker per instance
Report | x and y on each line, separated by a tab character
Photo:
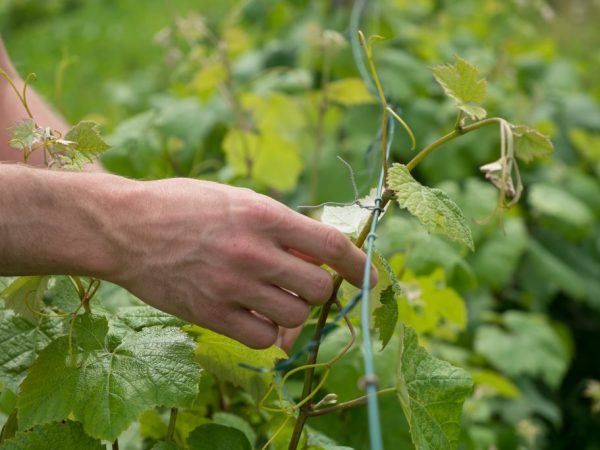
248	328
308	281
303	257
324	243
283	308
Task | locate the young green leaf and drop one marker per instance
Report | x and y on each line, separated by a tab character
20	342
24	296
386	315
25	134
212	436
436	211
268	157
349	91
221	356
350	219
53	436
86	135
106	388
430	306
431	394
82	145
530	144
462	82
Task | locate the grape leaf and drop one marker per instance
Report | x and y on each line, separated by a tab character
10	427
208	78
87	137
493	380
88	144
106	388
139	317
386	315
151	425
530	144
556	202
278	164
241	148
319	441
349	91
431	394
387	278
430	306
62	294
212	436
350	219
268	157
25	134
461	82
527	344
24	296
277	113
20	342
234	421
432	207
53	436
221	356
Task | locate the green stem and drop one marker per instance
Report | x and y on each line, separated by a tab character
309	375
172	421
449	137
384	120
30	77
349	403
76	282
459	117
4	75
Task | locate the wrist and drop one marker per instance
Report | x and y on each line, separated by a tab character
61	223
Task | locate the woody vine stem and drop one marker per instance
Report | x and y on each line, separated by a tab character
307	410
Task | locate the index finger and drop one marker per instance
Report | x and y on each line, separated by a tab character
326	244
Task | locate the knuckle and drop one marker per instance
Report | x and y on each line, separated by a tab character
335	244
263	211
231	287
242	251
322	288
299	316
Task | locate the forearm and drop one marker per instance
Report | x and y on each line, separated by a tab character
60	223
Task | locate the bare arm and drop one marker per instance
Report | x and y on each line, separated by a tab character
222	257
225	258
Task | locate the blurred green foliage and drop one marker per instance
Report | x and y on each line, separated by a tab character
178	103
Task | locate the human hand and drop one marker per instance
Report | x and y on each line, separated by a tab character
228	258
